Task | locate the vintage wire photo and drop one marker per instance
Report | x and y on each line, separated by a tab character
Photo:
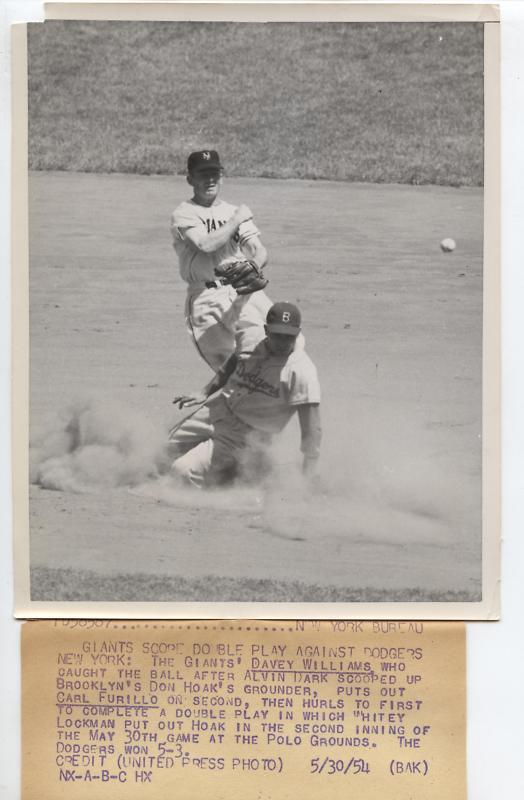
257	303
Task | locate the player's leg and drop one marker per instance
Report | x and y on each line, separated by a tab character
193	466
256	460
209	326
197	428
231	439
219	318
251	309
191	448
209	464
215	461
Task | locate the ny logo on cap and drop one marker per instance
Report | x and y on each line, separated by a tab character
206	155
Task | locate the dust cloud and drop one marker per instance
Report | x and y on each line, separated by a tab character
381	479
93	444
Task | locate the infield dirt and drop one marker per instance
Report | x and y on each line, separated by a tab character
393	324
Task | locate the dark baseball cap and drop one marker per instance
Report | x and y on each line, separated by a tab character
283	318
203	159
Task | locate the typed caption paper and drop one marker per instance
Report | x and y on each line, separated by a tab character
115	709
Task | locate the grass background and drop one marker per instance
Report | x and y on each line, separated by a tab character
69	585
387	102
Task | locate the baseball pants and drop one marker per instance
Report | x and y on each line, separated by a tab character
210	446
216	316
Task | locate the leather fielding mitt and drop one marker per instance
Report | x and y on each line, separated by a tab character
244	276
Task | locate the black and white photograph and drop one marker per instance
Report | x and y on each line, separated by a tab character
257	313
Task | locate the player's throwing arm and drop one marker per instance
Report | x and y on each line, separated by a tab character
221	258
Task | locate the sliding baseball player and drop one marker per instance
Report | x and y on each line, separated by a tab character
260	389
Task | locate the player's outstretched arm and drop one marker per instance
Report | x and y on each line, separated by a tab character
311	436
214	240
217	382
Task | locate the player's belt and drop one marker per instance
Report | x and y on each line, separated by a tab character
197	287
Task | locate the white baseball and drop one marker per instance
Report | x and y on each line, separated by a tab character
448	245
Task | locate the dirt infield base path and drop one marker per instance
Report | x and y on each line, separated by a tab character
393	324
197	542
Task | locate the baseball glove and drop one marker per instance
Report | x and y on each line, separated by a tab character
244	276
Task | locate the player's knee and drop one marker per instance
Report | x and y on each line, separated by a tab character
180	469
183	472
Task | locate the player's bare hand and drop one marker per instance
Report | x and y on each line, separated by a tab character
243	213
188	400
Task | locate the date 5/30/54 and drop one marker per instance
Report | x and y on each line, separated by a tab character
330	766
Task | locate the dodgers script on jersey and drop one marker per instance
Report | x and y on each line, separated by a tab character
265	389
195	266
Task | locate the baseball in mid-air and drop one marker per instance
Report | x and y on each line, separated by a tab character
448	245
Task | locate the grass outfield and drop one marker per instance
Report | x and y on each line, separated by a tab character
68	585
396	103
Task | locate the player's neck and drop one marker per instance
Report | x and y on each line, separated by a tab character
206	202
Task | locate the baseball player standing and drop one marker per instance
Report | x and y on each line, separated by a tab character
207	233
262	386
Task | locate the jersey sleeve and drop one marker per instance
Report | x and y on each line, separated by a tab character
246	230
182	219
303	383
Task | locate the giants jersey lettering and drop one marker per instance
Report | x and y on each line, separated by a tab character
197	267
265	390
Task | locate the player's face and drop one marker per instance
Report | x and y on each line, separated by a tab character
280	344
206	185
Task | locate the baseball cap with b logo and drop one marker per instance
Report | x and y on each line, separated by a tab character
203	159
283	318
